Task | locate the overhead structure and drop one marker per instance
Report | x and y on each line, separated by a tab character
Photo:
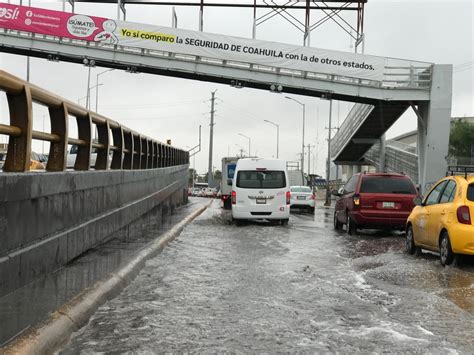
299	13
385	87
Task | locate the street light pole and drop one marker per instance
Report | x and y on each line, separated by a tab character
88	63
243	135
309	157
328	163
278	134
97	89
302	141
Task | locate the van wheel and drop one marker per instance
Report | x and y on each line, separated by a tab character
284	222
337	224
351	226
446	255
238	222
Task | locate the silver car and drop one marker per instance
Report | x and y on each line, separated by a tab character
302	197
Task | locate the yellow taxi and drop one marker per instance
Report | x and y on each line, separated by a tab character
444	220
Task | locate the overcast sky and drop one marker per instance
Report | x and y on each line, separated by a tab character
163	107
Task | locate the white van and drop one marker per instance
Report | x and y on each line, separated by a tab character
260	190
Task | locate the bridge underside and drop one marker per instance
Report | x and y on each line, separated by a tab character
381	118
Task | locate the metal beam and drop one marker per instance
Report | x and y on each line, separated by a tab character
230	5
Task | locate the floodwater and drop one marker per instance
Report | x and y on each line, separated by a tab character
302	288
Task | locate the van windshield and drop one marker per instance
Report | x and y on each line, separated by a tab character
387	185
268	179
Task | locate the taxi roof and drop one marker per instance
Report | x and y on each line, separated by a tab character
462	178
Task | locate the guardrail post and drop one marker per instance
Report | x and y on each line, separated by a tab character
102	161
59	118
137	153
144	153
167	156
155	154
161	155
117	155
130	147
151	153
21	116
84	127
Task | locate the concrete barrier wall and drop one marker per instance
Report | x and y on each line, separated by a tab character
46	220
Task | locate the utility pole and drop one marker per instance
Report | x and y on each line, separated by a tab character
309	157
328	163
210	178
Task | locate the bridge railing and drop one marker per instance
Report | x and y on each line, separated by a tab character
397	158
398	73
354	119
129	149
403	74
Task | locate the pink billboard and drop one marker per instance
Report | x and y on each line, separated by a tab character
57	23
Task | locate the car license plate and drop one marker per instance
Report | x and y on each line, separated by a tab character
301	197
388	204
261	201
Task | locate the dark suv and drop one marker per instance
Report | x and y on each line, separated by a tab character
374	200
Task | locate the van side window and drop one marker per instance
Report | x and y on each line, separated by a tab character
350	185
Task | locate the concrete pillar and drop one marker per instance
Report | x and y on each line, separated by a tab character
381	167
434	127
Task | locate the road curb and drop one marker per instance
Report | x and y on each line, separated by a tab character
55	331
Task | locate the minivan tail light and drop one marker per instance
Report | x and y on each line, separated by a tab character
234	197
288	197
356	200
464	215
313	197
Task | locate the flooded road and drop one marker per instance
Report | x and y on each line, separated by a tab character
305	287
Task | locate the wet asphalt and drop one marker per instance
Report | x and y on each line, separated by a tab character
261	288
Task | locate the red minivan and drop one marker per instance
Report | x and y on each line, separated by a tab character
374	200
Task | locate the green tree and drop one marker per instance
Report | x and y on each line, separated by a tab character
217	175
461	138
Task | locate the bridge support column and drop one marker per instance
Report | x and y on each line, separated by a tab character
381	167
433	128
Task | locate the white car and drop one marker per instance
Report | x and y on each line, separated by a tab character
302	197
260	190
72	154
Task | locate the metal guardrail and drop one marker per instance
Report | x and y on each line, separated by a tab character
397	160
398	73
400	145
130	150
354	119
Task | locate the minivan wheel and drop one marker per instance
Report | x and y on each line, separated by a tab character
351	226
238	222
337	224
446	255
284	222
